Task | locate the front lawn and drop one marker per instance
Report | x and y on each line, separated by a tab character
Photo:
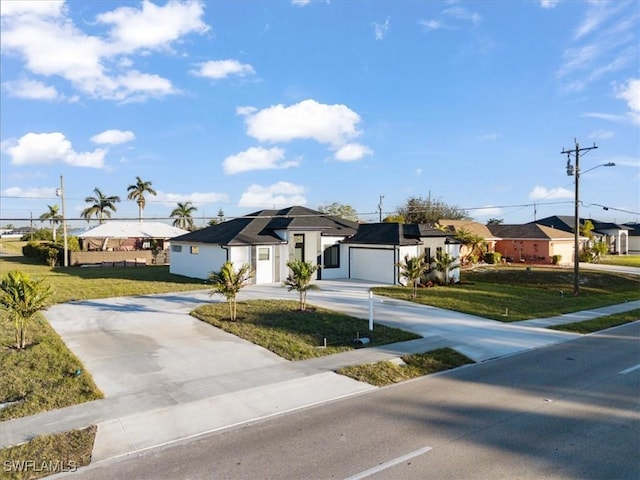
412	366
621	260
280	327
600	323
515	293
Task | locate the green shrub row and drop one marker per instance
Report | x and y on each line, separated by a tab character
492	257
50	253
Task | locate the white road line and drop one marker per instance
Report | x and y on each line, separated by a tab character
389	464
629	370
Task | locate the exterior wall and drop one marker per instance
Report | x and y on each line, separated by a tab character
634	244
208	259
343	270
618	241
97	258
312	248
536	251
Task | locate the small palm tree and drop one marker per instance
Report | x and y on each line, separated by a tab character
444	262
53	217
300	280
475	245
183	215
22	297
100	206
137	191
228	282
412	268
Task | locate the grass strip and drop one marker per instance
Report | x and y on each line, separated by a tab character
48	454
44	376
600	323
510	294
280	327
415	365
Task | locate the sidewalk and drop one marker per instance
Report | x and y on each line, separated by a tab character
186	406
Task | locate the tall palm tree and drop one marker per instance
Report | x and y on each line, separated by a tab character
22	297
183	215
137	191
101	204
54	218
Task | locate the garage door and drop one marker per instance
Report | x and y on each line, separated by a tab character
375	265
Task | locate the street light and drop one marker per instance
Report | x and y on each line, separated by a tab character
575	171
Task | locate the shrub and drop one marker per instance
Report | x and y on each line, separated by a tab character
492	257
42	234
556	259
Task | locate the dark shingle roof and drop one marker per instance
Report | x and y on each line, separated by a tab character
259	227
528	231
393	234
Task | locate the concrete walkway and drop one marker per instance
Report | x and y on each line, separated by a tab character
167	376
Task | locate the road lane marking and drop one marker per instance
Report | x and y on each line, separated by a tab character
389	464
629	370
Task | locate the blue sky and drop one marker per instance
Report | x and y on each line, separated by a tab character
243	105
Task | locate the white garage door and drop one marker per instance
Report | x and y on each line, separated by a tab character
375	265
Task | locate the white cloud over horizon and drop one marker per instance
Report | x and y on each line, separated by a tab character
197	198
32	192
543	193
257	158
218	69
280	194
48	149
113	137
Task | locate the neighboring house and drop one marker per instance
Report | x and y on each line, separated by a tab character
634	237
125	241
268	239
475	228
376	249
534	243
616	236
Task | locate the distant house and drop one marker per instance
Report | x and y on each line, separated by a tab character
534	243
616	236
634	237
475	228
268	239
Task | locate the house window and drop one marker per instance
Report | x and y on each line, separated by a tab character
176	248
195	250
427	256
298	245
332	257
263	253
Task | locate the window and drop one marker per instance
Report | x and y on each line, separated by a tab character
332	257
263	253
176	248
298	245
195	250
427	255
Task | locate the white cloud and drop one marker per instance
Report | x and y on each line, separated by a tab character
461	13
630	93
223	68
329	124
419	171
50	148
50	44
351	152
29	192
381	29
153	26
542	193
113	137
279	194
257	158
549	3
610	117
431	24
602	134
31	89
196	198
488	211
300	3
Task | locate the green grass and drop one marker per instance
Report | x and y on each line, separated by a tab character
416	365
82	283
491	292
600	323
280	327
621	260
48	454
41	377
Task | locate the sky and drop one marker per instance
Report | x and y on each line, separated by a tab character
244	105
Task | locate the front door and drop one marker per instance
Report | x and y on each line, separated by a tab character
264	265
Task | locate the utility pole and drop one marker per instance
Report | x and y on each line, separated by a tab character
60	193
576	220
380	207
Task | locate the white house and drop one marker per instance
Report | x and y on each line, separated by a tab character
268	239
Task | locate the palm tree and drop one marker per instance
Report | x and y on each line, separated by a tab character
475	245
101	204
54	218
22	297
444	262
228	282
412	268
137	191
300	280
183	215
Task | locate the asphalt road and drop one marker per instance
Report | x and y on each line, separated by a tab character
571	410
